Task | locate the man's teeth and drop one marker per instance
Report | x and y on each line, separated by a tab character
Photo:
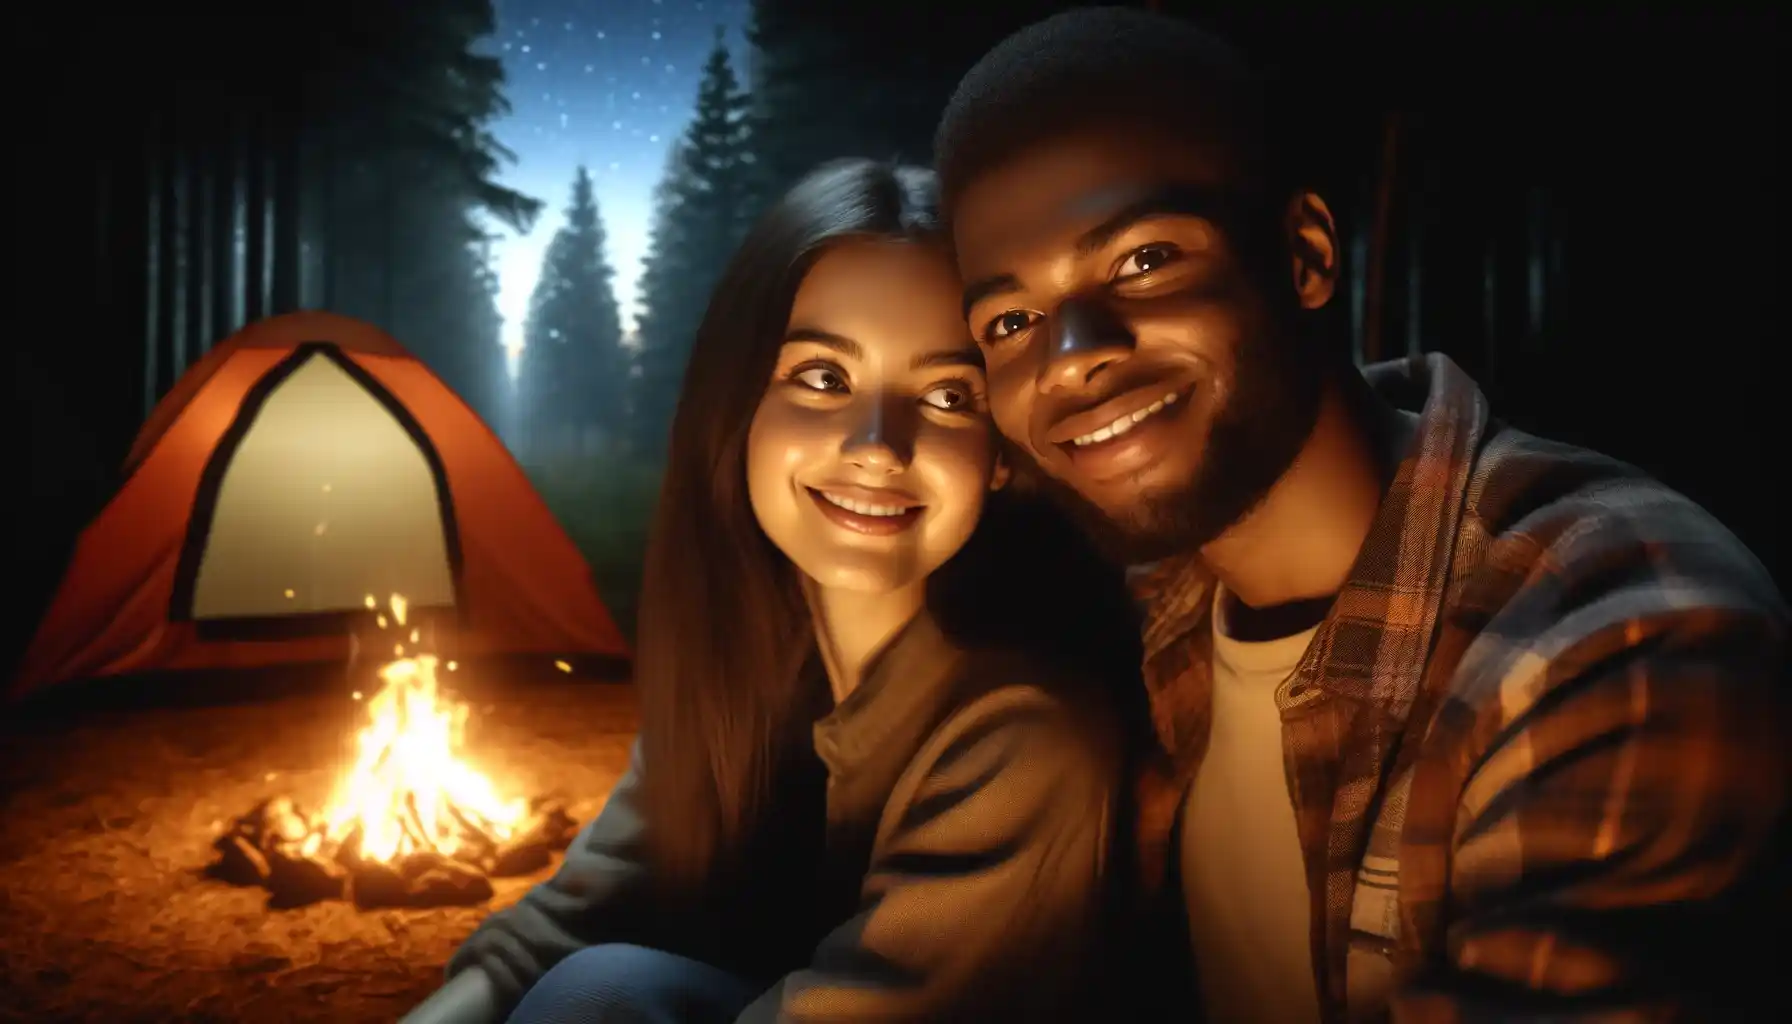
864	509
1125	423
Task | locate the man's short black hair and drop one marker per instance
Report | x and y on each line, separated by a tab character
1105	64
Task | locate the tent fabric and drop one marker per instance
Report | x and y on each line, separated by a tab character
302	466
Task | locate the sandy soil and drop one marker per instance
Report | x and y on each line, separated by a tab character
105	827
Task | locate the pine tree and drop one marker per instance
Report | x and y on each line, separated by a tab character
573	366
814	96
701	209
801	91
402	184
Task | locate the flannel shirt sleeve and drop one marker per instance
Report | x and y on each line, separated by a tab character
1619	849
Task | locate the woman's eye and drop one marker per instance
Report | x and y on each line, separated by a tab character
1146	259
1011	322
949	397
820	378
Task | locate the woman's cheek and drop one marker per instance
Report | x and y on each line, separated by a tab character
960	466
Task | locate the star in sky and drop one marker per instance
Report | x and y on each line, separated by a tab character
609	84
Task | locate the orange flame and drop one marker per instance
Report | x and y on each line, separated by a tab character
408	769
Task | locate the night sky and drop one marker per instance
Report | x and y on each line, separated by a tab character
609	84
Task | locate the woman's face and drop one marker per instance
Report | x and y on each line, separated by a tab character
871	452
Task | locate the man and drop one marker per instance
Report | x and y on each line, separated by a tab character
1456	723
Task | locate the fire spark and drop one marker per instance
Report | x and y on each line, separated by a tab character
411	822
409	790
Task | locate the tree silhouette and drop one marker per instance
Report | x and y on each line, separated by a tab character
799	111
816	97
574	369
701	208
403	189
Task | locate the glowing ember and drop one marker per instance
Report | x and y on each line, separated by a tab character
409	791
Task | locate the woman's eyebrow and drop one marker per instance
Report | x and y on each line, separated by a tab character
827	339
967	355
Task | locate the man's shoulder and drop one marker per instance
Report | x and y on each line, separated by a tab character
1569	517
1564	550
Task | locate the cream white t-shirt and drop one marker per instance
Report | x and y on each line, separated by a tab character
1242	873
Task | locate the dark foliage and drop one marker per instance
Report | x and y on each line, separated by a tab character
573	366
701	210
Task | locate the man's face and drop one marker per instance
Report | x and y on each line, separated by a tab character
1136	319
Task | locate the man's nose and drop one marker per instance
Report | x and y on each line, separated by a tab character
1086	338
882	438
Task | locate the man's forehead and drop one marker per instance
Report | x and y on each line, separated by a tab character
1047	195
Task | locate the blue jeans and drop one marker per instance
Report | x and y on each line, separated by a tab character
622	984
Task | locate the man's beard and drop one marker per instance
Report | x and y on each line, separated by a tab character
1253	439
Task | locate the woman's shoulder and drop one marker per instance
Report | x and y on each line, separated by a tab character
1006	696
1016	736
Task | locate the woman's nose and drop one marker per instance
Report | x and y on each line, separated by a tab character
881	439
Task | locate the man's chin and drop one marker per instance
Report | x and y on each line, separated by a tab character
1145	527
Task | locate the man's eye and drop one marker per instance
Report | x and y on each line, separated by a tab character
1011	322
1146	259
820	378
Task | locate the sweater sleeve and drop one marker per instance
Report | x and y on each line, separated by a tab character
597	895
984	890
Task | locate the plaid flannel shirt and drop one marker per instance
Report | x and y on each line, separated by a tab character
1537	750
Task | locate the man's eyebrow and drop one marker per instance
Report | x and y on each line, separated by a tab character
827	339
1133	205
1126	207
996	284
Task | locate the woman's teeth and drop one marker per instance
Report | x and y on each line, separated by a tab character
1125	423
864	509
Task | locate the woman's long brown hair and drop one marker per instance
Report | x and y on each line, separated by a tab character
724	633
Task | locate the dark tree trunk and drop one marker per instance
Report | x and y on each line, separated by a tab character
122	283
1416	244
255	216
165	269
1381	234
289	250
388	247
1453	316
150	329
178	276
225	276
324	222
198	274
1504	267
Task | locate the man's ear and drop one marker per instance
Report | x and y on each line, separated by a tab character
998	478
1313	244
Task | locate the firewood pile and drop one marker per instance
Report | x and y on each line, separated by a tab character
283	848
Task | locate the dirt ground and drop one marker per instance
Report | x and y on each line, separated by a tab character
106	825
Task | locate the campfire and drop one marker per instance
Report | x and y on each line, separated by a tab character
411	823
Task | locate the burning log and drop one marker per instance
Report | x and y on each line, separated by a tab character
546	832
240	862
299	879
434	879
411	824
480	838
294	855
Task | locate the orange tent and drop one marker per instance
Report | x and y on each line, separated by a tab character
305	464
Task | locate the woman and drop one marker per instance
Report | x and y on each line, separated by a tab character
864	788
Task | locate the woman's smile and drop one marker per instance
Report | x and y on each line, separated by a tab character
874	512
